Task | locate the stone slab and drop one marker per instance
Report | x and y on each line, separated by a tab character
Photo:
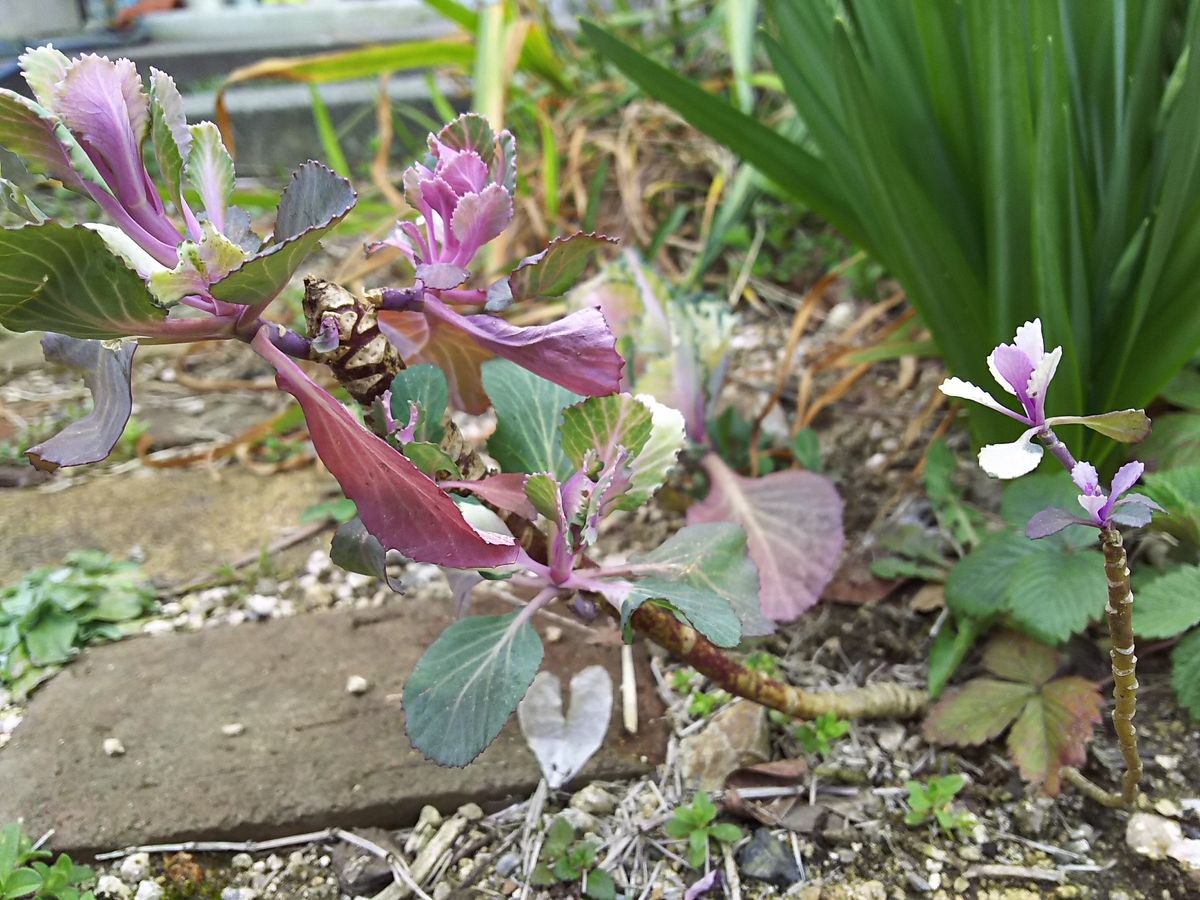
311	756
187	521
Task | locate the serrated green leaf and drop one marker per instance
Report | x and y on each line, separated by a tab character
1186	674
543	492
602	424
1168	604
1054	594
1174	442
600	885
1177	490
976	712
556	269
470	131
468	684
315	200
528	412
711	556
426	386
64	279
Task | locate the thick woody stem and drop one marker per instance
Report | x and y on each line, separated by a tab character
872	702
1119	611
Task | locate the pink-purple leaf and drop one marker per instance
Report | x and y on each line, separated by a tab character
442	276
479	218
106	373
793	525
506	491
556	269
29	131
398	503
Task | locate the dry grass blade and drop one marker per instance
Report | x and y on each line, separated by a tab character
380	176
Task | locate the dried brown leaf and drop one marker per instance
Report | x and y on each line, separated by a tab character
1053	730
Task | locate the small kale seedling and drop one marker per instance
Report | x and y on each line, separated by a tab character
695	824
704	703
818	736
563	859
935	800
23	874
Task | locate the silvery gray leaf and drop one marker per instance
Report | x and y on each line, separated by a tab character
563	745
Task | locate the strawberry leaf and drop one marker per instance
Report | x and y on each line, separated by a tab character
977	712
1053	730
1018	657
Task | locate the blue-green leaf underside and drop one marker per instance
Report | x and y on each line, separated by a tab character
528	414
468	684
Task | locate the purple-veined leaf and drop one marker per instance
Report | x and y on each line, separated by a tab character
528	412
564	743
1127	425
577	352
315	200
710	562
398	503
506	491
1052	521
793	524
442	276
479	218
106	373
64	279
423	339
209	168
467	685
558	268
103	104
34	134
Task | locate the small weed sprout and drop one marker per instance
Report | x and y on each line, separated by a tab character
935	801
563	859
819	735
24	874
695	824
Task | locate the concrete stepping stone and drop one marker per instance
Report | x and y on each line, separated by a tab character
250	732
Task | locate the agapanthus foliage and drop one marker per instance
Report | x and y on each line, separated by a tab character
179	262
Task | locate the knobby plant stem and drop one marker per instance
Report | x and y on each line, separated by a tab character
1119	612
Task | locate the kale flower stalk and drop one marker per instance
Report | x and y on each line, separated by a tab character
1025	370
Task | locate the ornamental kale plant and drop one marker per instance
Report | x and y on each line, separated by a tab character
1025	369
181	263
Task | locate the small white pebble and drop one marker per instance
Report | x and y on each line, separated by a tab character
134	868
239	893
111	887
148	890
233	729
356	685
158	626
113	747
274	863
242	861
554	634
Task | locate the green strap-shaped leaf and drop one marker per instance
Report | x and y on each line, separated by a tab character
169	132
603	424
315	201
556	269
654	461
64	279
528	411
424	385
468	684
